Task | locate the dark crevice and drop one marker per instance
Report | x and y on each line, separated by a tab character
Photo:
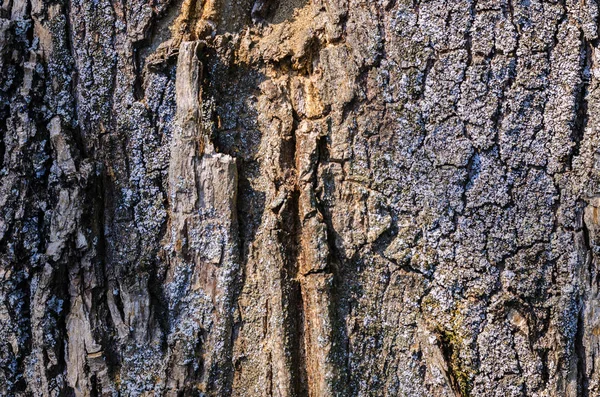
138	80
3	130
96	389
545	371
297	321
580	351
469	36
56	316
106	324
290	230
290	238
459	379
158	301
263	11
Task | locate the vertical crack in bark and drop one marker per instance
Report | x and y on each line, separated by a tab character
459	380
580	350
296	332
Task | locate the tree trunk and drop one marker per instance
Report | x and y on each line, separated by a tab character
299	198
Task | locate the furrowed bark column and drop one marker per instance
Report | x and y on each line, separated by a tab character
202	246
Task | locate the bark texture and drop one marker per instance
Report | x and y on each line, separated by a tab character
289	198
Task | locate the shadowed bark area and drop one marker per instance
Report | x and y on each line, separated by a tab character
288	198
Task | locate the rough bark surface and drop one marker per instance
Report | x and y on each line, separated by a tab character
299	198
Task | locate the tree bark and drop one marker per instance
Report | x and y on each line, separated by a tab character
299	198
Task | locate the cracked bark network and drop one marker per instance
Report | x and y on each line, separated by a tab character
299	198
